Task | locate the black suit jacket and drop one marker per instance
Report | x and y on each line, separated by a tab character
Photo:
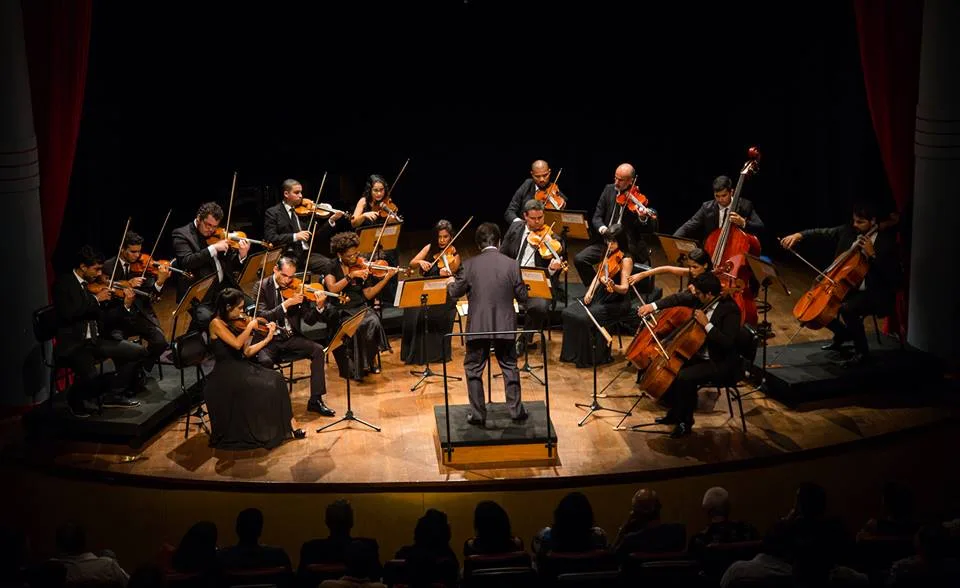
723	336
76	309
608	212
707	219
510	246
278	229
190	248
269	307
526	191
491	281
884	277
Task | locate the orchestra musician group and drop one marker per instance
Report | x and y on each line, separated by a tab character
100	306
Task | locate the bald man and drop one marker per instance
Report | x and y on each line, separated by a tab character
538	180
608	213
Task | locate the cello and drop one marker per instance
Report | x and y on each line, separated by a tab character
729	243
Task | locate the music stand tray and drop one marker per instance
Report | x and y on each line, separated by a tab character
368	237
423	293
198	291
765	272
538	282
572	224
676	248
348	328
250	273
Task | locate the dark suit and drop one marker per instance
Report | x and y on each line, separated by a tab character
881	283
279	228
141	320
537	309
79	314
606	214
707	219
723	362
293	341
190	248
491	281
526	191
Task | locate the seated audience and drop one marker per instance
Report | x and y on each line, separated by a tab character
932	565
720	528
896	519
333	549
83	566
248	553
573	529
491	526
770	565
430	558
643	532
197	551
360	570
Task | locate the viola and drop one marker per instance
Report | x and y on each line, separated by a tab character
551	197
546	245
636	203
234	239
313	292
146	264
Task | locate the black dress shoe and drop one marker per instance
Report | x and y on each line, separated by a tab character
858	359
119	401
299	434
521	417
833	346
78	410
681	430
666	420
320	407
375	370
472	420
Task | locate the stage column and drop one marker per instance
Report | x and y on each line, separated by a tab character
934	311
22	255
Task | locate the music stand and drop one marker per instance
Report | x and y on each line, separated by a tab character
595	406
423	292
368	237
348	328
250	273
767	274
539	285
198	291
572	225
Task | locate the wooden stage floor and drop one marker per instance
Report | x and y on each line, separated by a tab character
405	454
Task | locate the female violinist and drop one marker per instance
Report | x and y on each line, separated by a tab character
374	208
249	404
350	276
439	318
695	263
607	300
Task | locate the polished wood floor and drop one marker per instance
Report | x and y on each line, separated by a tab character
405	452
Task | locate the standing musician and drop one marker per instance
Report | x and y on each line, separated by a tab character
367	212
877	292
491	282
718	359
282	226
440	319
711	214
608	213
80	336
139	319
351	277
516	245
289	314
538	180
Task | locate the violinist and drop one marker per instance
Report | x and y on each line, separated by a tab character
539	179
877	292
139	318
248	403
636	228
370	210
608	299
440	319
283	227
711	214
289	314
351	277
82	341
717	361
516	245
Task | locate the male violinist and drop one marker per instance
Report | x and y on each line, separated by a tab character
516	246
877	292
539	179
80	341
282	226
712	213
289	314
609	213
717	361
139	319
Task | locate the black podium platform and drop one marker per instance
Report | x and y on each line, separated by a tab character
501	442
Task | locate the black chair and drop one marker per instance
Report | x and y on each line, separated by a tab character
277	577
191	350
879	335
589	579
45	329
509	577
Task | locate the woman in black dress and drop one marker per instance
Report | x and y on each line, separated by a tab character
606	307
367	213
348	277
249	405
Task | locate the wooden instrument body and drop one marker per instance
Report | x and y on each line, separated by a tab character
685	342
643	349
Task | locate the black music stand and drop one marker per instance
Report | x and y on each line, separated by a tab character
676	249
368	236
595	406
573	225
253	266
197	292
423	292
347	329
539	285
767	273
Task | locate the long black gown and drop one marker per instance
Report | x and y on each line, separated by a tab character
248	404
370	336
439	322
606	308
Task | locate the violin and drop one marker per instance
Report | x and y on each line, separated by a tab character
117	288
313	292
551	197
378	268
636	203
321	209
449	259
611	267
385	208
239	324
546	245
234	239
147	264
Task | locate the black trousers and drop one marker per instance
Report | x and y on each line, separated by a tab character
856	306
83	358
475	361
537	316
683	392
300	347
140	325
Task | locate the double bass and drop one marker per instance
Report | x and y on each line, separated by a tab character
728	244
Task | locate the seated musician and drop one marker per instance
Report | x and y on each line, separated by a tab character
581	339
516	245
367	213
712	213
538	180
82	342
439	318
877	292
289	314
350	277
139	319
718	359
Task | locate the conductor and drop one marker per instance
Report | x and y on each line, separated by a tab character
491	281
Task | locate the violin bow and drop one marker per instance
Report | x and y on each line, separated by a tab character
800	257
123	240
316	206
649	321
444	250
555	181
157	242
603	331
263	268
233	189
306	261
596	276
397	179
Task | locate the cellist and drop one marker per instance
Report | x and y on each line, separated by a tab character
877	292
718	359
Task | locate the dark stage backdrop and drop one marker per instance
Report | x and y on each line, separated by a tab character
176	102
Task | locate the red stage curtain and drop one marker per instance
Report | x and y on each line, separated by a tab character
889	33
57	35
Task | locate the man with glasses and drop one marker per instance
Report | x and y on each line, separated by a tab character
538	180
